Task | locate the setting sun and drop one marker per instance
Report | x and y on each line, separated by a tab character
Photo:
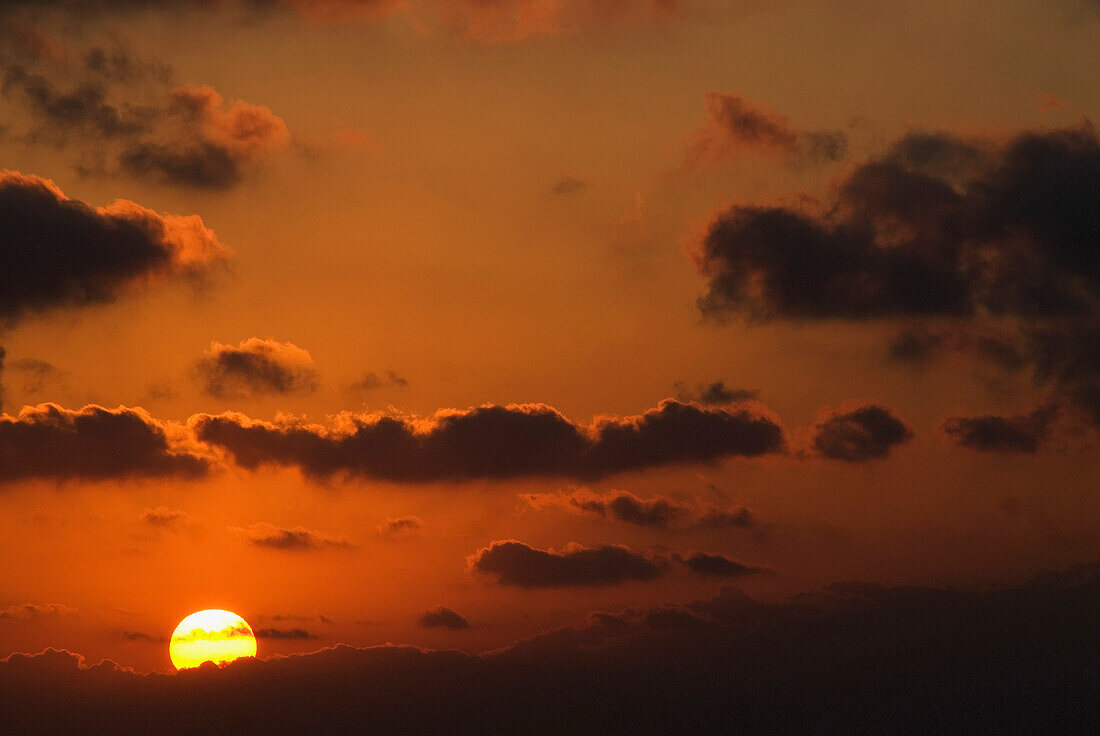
211	636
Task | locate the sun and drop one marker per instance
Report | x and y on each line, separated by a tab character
211	636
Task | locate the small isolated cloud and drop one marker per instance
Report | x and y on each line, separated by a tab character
164	518
400	525
515	563
372	381
31	611
294	539
992	433
442	617
737	124
714	393
256	367
295	634
51	442
718	566
657	512
121	245
142	637
569	185
36	374
857	433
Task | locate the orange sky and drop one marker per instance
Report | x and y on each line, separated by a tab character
467	209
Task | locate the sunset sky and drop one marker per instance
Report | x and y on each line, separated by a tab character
450	322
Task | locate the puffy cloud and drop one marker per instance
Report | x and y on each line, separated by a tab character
374	380
496	442
856	433
442	617
399	525
93	443
256	367
60	252
294	539
992	433
514	563
845	659
737	123
657	512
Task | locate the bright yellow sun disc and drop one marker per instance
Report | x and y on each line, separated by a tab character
211	636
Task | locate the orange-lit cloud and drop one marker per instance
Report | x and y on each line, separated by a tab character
293	539
657	512
256	367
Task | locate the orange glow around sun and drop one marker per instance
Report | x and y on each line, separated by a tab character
211	636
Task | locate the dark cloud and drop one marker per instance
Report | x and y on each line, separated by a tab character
514	563
164	517
851	658
715	393
936	227
442	617
125	115
991	433
738	123
374	380
37	374
718	566
657	512
94	443
28	611
289	634
256	367
569	185
858	433
398	525
295	539
496	442
141	636
60	252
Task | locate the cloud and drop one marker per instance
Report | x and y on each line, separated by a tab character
738	124
857	433
442	617
94	443
514	563
31	611
126	115
718	566
569	185
295	539
399	525
492	441
657	512
373	381
256	367
844	659
164	517
991	433
712	394
59	252
37	374
286	634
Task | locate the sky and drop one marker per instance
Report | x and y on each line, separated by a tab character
448	323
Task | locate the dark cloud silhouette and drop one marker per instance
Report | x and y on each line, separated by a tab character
164	517
442	617
715	393
858	433
718	566
294	539
569	185
287	634
738	123
256	367
398	525
496	442
60	252
934	227
657	512
36	374
991	433
125	115
851	658
514	563
374	380
93	443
